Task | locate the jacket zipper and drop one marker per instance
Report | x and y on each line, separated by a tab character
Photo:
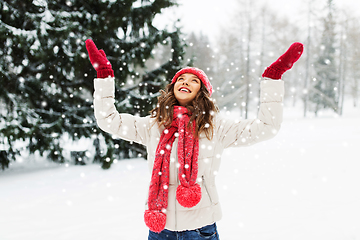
177	180
206	189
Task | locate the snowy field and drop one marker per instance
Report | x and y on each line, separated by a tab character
302	185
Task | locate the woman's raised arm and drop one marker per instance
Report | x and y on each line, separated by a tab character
125	126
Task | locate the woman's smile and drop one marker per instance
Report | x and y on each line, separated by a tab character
184	89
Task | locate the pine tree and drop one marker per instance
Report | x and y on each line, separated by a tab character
18	73
53	82
200	52
324	91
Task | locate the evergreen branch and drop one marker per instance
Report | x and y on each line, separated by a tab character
17	31
50	113
82	126
48	125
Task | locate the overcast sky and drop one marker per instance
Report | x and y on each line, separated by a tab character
208	16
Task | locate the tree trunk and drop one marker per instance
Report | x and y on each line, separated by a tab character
307	69
247	76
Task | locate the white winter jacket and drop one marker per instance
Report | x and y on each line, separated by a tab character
227	133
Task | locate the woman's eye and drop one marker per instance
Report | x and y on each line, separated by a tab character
180	79
195	80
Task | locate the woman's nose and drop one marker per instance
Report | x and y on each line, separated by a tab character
186	82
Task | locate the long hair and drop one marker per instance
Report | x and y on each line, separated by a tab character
203	110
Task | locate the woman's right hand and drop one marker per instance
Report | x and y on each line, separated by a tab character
98	60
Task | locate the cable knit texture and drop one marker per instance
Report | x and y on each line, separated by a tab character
284	62
188	193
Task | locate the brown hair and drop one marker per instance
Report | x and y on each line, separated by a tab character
202	107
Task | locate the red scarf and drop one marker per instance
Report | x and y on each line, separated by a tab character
188	193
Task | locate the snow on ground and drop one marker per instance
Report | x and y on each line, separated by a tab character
303	184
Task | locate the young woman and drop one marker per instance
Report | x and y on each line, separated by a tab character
185	137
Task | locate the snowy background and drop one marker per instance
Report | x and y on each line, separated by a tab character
208	17
303	184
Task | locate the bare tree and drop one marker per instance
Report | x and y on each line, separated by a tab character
352	73
342	65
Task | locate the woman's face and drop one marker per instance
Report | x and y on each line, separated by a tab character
186	87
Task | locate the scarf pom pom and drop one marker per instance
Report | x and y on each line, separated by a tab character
155	220
188	196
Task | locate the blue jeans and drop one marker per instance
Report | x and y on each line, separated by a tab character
208	232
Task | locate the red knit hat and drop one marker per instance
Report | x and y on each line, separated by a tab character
199	73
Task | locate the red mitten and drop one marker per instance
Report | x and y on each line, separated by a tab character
98	60
284	62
